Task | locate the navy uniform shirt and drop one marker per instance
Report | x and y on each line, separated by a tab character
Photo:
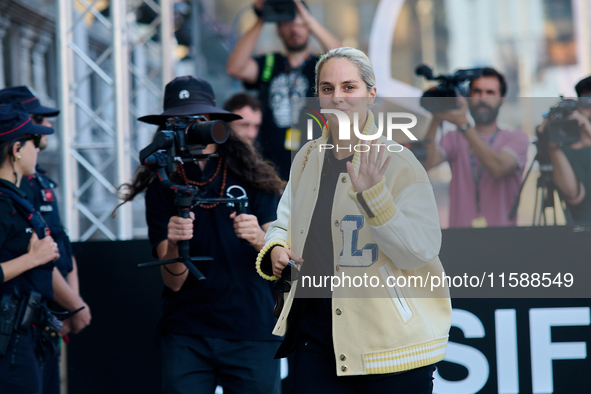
234	302
40	192
15	235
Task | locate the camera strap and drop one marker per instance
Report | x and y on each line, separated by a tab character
477	172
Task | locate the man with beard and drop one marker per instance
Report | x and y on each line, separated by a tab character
571	165
486	161
280	77
249	108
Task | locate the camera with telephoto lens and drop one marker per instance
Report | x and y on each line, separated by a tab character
560	128
183	138
444	97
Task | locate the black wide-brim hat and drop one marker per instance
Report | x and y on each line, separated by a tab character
187	96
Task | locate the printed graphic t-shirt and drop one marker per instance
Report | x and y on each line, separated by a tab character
277	84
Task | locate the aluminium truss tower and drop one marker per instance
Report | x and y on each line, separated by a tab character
112	70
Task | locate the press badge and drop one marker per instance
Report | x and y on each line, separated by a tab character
292	139
479	222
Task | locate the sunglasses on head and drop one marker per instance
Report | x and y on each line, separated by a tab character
36	138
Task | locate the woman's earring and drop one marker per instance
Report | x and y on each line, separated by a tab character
17	158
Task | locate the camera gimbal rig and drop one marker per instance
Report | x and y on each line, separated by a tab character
185	142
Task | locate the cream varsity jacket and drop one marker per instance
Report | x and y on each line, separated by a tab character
380	329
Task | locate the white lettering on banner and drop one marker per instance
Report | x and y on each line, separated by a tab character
472	359
350	255
506	349
345	125
543	350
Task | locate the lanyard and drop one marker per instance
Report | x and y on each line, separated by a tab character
477	172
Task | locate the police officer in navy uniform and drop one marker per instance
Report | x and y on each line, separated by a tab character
40	192
27	253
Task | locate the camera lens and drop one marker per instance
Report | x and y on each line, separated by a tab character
205	133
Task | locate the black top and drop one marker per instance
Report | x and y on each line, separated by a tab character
580	161
310	315
40	192
234	302
15	235
276	88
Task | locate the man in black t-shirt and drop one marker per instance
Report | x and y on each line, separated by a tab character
280	77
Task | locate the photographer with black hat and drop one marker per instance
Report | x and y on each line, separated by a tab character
27	253
571	164
218	330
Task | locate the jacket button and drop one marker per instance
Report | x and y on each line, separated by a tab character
301	231
338	311
344	179
344	368
338	268
336	223
343	357
314	189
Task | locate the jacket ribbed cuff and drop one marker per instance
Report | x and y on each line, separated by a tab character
263	262
379	201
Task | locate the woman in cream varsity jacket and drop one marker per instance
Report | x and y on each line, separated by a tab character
382	221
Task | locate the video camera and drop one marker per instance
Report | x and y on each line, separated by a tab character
279	10
449	88
183	139
560	128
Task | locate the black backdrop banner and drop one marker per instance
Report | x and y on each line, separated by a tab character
497	345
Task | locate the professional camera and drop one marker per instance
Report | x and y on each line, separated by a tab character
442	98
183	138
561	129
279	10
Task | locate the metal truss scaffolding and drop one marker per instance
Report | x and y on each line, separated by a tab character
112	69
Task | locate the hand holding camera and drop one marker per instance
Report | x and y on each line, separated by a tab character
564	125
247	227
456	116
180	229
585	131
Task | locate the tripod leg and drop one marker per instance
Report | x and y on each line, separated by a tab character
535	207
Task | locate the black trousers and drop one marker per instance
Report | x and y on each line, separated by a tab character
21	367
314	371
196	365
